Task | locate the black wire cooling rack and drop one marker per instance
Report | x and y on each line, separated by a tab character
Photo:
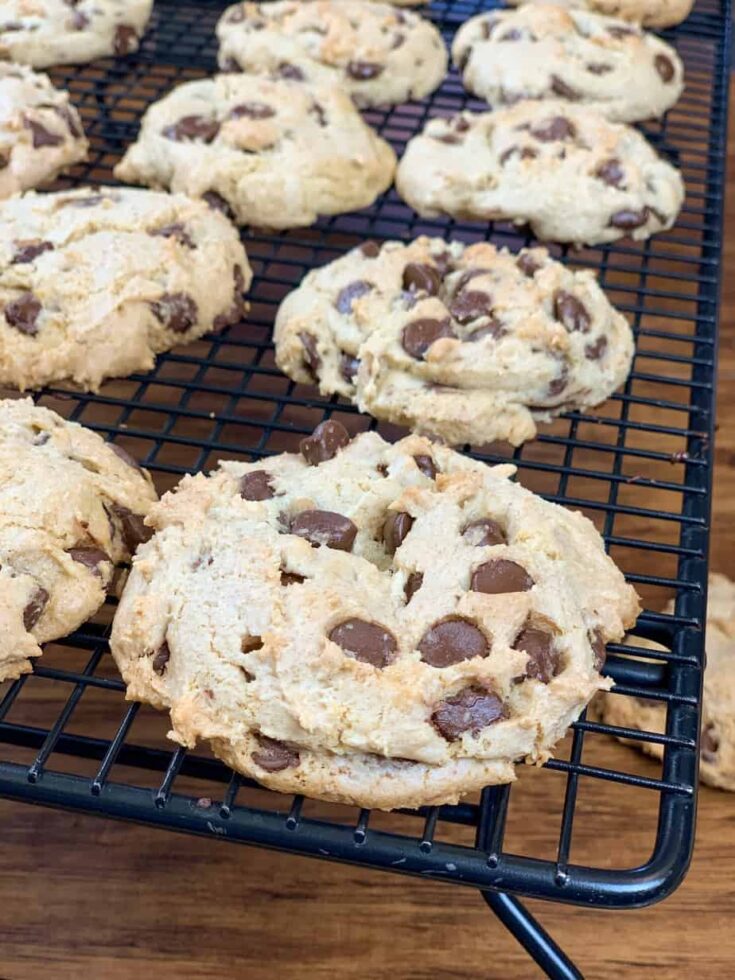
641	468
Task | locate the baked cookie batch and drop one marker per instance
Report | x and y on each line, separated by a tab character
379	624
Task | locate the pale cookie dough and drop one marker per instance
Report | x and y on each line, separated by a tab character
66	32
71	508
384	625
270	152
375	53
564	169
95	283
649	13
468	344
543	52
40	130
717	748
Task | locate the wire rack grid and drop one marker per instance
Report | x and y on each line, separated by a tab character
640	467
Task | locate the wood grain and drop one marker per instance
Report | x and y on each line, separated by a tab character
86	897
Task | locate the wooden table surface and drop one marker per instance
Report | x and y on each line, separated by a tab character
86	897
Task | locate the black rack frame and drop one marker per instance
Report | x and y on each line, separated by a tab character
223	397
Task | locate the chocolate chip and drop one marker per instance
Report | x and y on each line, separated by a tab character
324	443
91	557
492	329
250	643
452	641
291	578
34	608
599	649
556	128
628	220
418	336
27	249
557	385
70	118
370	249
176	311
22	314
257	485
286	70
598	68
593	352
134	530
571	312
620	32
324	527
348	367
351	292
124	455
175	230
543	658
469	305
316	109
398	41
525	153
499	577
469	711
274	756
239	307
528	265
396	527
192	128
126	39
559	87
426	464
420	277
665	67
512	35
312	361
489	26
79	20
413	583
363	71
218	203
611	172
483	532
91	201
40	135
709	744
161	659
367	642
450	138
252	110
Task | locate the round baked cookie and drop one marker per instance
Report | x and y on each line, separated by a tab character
95	283
377	54
649	13
71	508
40	130
542	52
467	344
269	152
564	169
66	32
717	747
331	620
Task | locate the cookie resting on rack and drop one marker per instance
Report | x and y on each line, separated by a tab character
561	168
40	130
465	343
717	747
649	13
95	283
381	625
549	52
269	152
71	508
375	53
70	32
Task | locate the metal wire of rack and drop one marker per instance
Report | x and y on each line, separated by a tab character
641	468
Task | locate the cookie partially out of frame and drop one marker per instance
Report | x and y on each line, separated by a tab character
375	53
67	32
468	344
40	130
95	283
269	152
549	52
383	625
562	168
717	747
71	508
649	13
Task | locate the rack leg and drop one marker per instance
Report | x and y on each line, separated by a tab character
532	936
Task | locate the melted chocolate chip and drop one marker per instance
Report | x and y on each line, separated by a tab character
426	464
239	307
665	67
452	641
556	128
543	658
363	71
286	70
27	249
524	153
483	532
316	109
252	110
598	68
499	577
571	312
628	220
469	711
469	305
161	659
324	443
450	138
557	386
593	352
218	203
34	608
599	649
351	292
348	367
312	361
91	557
611	172
70	118
512	35
125	40
42	136
291	578
370	249
367	642
324	527
175	230
418	336
396	527
559	87
709	744
528	265
274	756
413	583
257	485
620	32
134	530
192	128
176	311
22	314
420	277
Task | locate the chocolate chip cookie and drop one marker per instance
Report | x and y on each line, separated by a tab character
468	344
268	152
71	508
548	52
40	130
67	32
564	169
95	283
377	54
717	745
383	625
649	13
